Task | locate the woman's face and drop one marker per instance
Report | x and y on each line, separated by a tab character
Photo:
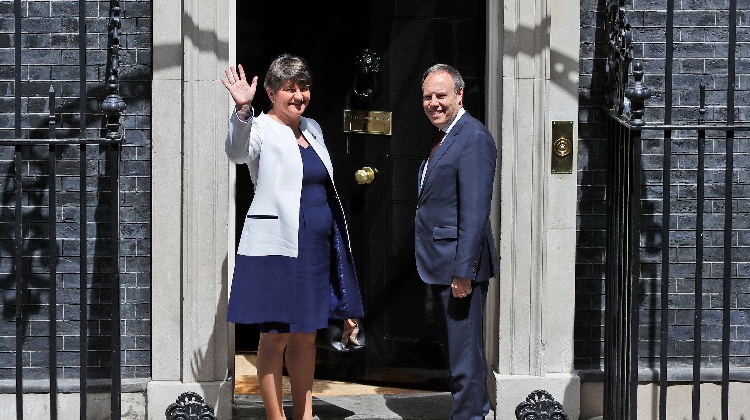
291	100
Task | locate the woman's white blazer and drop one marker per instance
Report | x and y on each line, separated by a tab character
272	223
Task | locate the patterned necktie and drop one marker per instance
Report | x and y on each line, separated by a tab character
436	143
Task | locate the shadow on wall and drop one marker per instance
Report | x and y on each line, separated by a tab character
36	264
592	208
203	365
206	41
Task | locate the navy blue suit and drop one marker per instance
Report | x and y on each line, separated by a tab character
453	237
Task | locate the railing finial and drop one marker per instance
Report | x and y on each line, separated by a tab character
637	94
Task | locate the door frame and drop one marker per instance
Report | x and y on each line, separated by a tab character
493	118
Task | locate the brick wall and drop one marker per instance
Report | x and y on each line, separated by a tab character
700	53
591	213
50	57
136	189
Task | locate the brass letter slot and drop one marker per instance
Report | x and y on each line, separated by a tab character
367	122
562	147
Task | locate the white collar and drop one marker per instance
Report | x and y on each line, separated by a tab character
460	112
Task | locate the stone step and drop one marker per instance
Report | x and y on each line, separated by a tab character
427	406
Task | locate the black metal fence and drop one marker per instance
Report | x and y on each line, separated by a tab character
670	224
61	211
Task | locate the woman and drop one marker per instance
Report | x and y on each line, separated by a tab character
294	268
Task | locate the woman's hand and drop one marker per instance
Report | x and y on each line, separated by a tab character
242	92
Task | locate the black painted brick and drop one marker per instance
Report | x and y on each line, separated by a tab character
700	53
50	55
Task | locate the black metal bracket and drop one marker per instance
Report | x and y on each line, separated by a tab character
190	406
619	56
113	105
622	99
540	405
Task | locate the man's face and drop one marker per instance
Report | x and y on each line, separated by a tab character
439	100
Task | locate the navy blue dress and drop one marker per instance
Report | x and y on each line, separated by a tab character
312	280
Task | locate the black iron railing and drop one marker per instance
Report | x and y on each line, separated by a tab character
41	172
624	288
629	227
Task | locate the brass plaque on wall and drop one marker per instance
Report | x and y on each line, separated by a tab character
562	147
367	122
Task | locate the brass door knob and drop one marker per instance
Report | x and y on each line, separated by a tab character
365	175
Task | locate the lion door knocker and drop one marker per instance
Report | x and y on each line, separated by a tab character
367	78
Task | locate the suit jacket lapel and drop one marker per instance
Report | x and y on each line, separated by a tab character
444	146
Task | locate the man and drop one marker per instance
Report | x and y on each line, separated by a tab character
455	249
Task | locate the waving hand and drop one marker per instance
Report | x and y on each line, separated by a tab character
242	92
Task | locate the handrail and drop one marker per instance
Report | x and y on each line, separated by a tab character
719	126
64	141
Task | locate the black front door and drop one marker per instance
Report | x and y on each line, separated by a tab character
402	322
